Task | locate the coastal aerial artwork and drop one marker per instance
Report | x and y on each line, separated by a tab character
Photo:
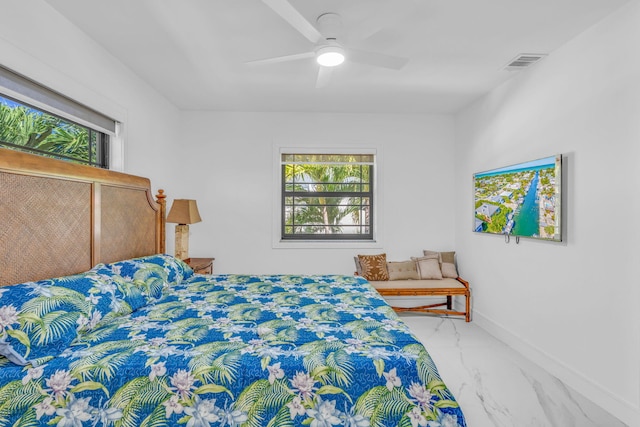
520	200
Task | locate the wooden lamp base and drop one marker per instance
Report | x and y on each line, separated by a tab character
182	241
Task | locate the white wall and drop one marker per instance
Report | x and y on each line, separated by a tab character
230	173
39	43
572	307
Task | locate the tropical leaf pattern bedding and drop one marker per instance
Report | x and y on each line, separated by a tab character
233	350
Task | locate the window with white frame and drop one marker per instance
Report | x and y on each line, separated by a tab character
37	120
327	196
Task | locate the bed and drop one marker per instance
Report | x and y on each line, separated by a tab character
143	341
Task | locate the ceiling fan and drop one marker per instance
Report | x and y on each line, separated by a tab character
328	50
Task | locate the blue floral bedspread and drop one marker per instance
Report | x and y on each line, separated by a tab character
231	350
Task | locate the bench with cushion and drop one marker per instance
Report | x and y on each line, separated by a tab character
433	274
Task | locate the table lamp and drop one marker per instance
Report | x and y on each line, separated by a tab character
183	212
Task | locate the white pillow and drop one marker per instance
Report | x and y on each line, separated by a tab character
403	270
447	262
428	267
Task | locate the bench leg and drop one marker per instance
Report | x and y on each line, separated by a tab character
448	302
467	316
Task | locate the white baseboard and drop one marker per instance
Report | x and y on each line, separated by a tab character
607	400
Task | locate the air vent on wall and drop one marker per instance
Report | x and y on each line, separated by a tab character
523	60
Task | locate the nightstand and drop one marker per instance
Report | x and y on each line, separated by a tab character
201	265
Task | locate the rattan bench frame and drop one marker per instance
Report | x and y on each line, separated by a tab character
429	292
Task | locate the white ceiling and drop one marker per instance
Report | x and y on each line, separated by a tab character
194	52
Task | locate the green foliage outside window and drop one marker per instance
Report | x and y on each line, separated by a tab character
327	196
28	129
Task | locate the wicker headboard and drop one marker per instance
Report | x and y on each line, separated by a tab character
58	218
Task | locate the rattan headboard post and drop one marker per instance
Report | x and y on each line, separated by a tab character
59	218
161	199
96	220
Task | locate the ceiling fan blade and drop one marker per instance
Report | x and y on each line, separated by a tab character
376	59
324	75
295	19
286	58
390	12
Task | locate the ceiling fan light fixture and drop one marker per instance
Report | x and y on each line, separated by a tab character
330	56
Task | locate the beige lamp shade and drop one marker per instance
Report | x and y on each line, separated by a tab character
184	211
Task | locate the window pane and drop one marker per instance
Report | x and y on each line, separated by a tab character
328	158
340	202
327	196
25	128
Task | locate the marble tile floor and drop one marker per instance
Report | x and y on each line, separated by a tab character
498	387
